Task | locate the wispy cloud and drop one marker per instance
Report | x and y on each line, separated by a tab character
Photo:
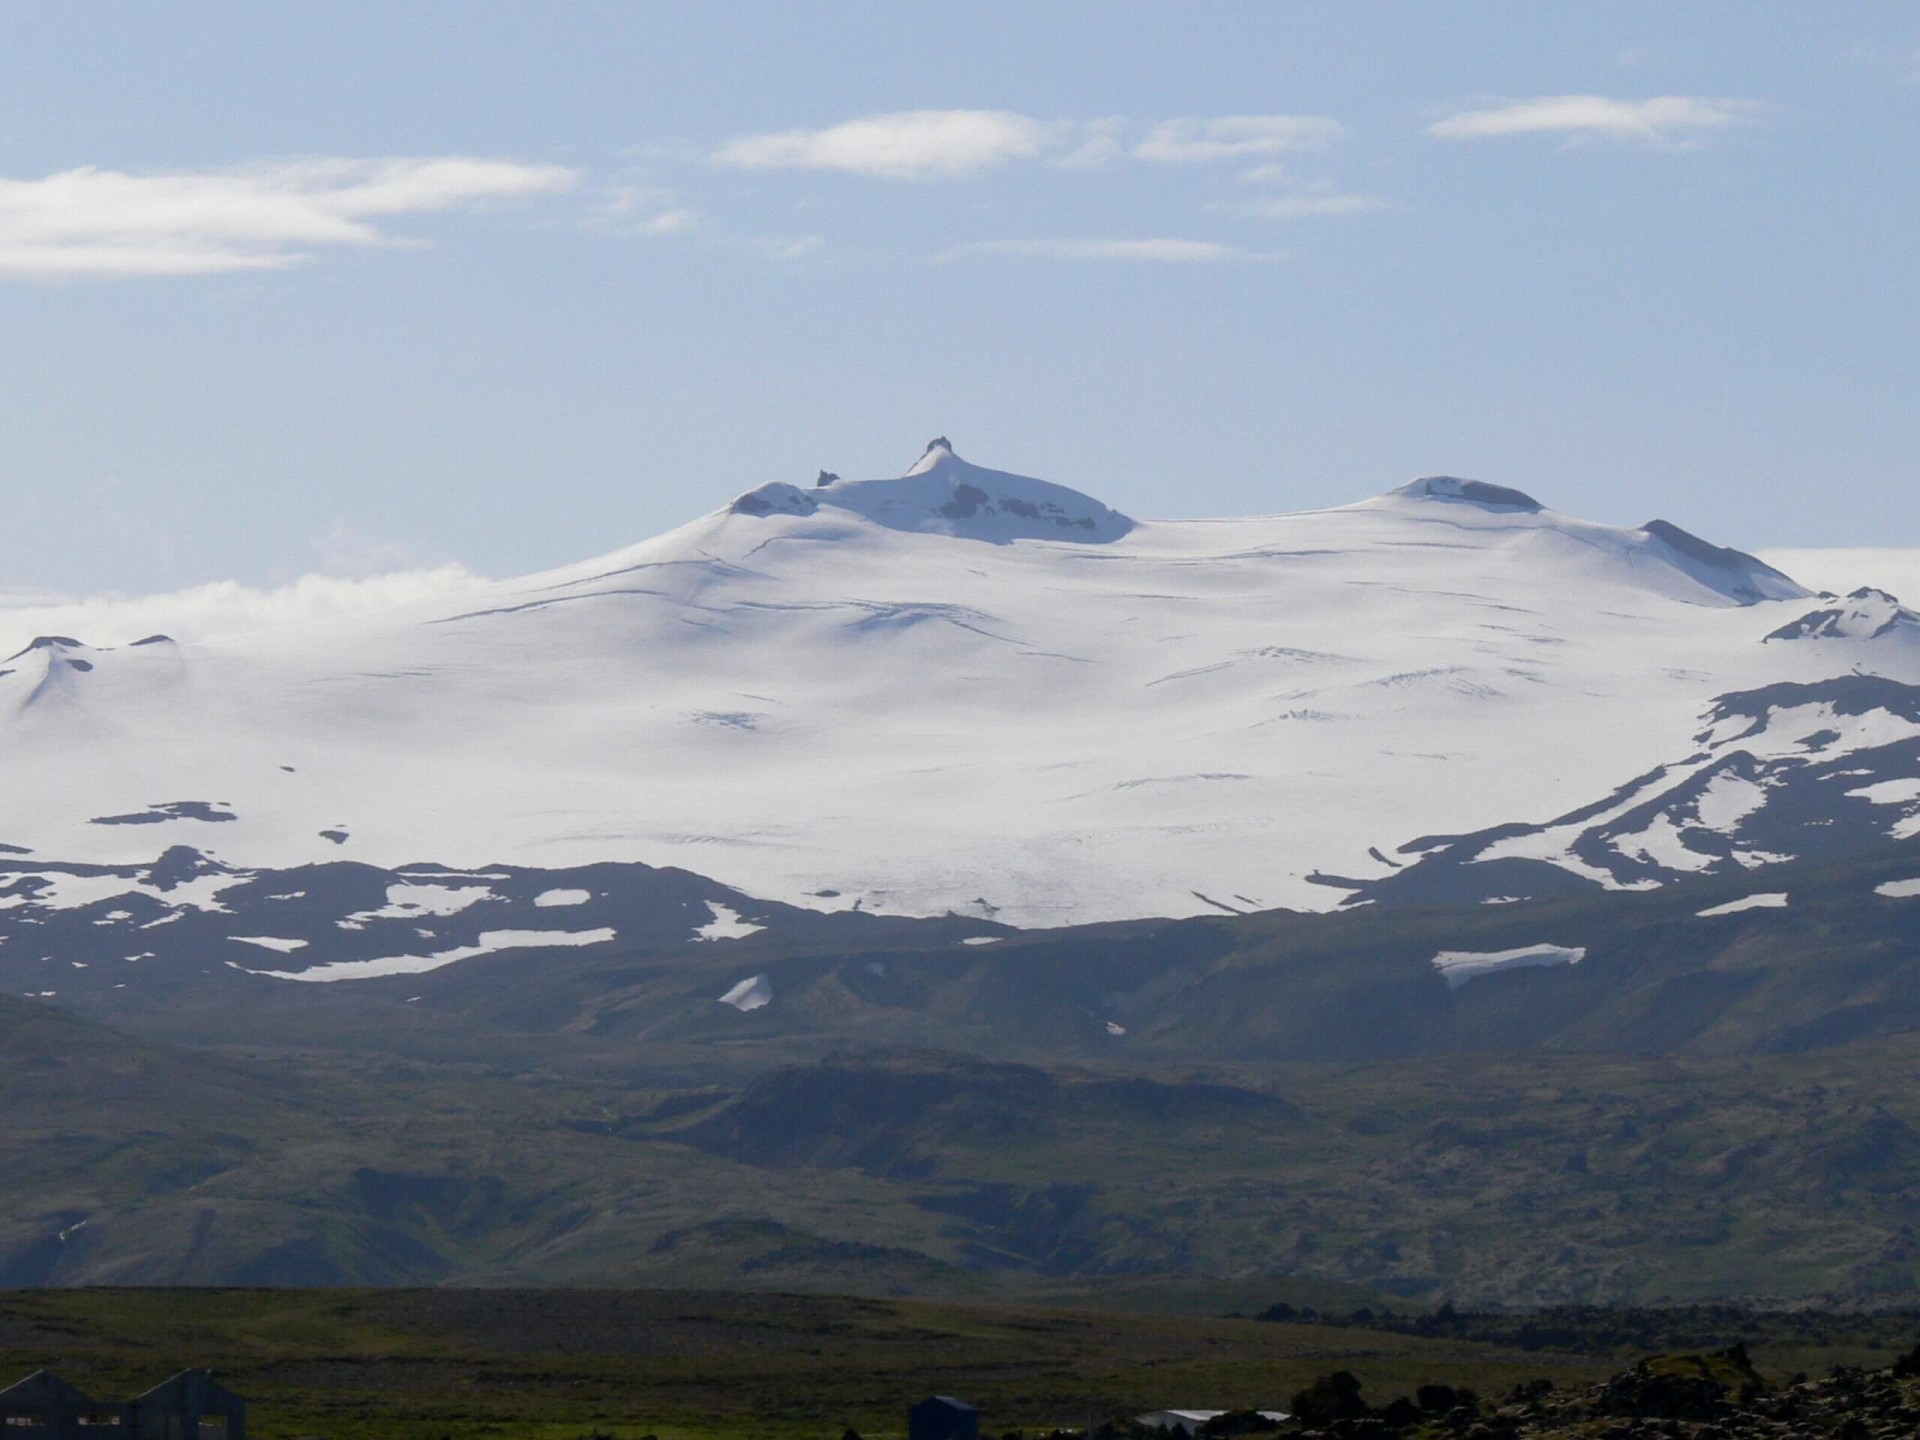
1162	251
1308	207
1236	137
1662	120
950	144
907	145
643	210
1298	198
107	224
795	249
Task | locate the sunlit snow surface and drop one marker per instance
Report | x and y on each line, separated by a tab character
1001	714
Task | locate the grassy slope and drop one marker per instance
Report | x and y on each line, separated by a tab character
561	1363
1518	1179
619	1145
466	1364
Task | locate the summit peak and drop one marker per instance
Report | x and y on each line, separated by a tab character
1474	492
938	449
945	495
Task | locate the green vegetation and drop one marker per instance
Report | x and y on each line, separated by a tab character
1664	1123
473	1363
1536	1179
560	1364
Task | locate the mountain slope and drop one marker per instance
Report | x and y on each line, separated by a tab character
965	690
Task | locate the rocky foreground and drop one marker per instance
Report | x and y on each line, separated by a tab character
1675	1397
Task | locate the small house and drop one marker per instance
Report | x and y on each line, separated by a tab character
941	1417
45	1407
190	1406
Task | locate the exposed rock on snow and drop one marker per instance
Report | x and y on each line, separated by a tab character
1477	492
1733	573
1866	614
211	811
775	498
1779	778
945	495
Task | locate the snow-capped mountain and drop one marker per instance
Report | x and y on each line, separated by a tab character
962	689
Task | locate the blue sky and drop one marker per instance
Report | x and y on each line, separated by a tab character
357	287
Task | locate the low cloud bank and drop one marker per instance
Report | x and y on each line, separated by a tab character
222	608
1895	570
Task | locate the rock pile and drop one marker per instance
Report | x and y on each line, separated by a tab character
1716	1396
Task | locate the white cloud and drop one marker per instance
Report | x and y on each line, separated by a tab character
797	249
1094	143
1178	252
1308	205
1236	137
643	210
908	145
225	607
1661	120
107	224
946	144
676	221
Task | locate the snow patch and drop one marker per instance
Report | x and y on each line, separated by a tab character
491	942
65	891
408	901
269	942
1776	900
1888	792
1664	844
753	993
1899	889
1457	967
725	925
548	899
1728	799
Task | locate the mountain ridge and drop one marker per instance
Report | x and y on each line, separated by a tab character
884	698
